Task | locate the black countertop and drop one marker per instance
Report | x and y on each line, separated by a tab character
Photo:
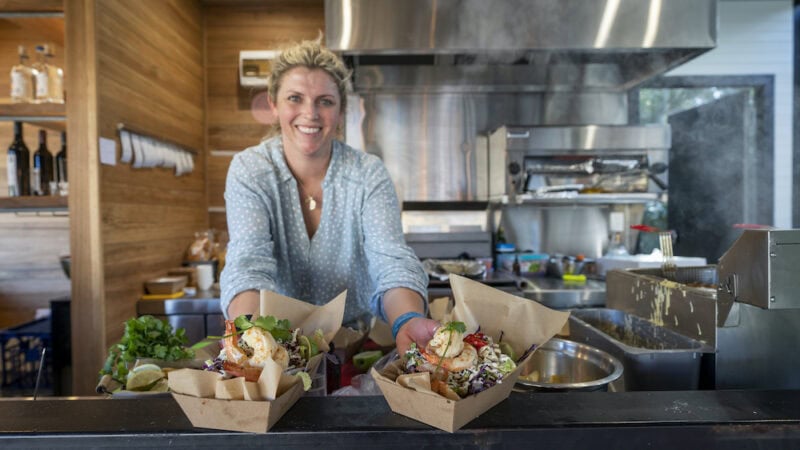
597	420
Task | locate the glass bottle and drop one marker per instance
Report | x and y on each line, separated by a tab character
616	244
41	74
22	79
42	167
55	77
18	165
61	166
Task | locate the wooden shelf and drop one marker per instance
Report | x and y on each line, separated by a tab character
33	204
36	110
31	6
46	115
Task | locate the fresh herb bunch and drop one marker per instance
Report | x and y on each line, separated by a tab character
145	337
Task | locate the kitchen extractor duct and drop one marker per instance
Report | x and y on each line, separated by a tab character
531	45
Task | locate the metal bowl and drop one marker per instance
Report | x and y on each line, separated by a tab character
562	365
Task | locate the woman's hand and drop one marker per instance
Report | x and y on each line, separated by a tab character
419	330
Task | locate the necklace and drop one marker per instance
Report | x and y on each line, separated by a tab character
310	201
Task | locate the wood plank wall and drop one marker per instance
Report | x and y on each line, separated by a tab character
30	275
154	85
231	126
148	66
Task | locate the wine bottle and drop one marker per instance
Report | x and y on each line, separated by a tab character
19	182
41	94
61	166
42	167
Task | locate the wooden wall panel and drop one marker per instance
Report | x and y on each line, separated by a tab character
88	302
230	122
150	78
147	59
218	163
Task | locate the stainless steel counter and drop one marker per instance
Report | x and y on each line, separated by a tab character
201	316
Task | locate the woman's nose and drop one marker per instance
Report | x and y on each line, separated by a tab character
311	110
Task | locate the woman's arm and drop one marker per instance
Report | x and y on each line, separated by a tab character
250	264
401	282
399	301
245	303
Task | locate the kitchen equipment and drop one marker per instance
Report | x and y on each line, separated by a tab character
443	268
749	314
655	358
610	158
563	365
165	285
449	245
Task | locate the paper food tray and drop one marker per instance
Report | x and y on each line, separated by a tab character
521	321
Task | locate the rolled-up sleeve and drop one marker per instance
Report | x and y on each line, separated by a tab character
250	262
391	262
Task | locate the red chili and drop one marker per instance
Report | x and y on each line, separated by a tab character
476	340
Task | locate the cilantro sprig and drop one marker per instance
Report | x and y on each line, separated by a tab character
279	329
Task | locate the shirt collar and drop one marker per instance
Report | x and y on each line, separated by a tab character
275	148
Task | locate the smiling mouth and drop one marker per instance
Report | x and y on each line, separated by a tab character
308	130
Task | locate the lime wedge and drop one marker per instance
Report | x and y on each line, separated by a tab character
364	360
506	349
144	380
145	367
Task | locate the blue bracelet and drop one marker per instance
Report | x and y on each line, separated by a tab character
400	321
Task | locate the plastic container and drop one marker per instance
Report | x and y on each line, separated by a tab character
21	348
530	264
654	358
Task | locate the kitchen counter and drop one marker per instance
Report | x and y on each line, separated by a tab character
597	420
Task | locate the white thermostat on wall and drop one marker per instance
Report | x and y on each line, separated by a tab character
255	66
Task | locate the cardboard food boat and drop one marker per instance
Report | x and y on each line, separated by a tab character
521	322
208	401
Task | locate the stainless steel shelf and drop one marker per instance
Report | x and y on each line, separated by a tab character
579	199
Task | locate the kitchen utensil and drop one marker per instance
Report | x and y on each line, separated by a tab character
668	267
165	285
646	228
563	365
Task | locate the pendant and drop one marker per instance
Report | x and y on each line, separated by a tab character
312	204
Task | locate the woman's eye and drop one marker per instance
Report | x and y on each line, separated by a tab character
294	98
327	102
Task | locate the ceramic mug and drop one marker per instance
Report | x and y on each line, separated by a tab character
205	276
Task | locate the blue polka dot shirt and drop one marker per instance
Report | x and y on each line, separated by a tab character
359	245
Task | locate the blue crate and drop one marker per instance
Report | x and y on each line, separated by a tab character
21	347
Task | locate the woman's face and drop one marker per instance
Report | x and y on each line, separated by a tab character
308	108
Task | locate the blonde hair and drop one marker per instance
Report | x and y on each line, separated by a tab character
311	55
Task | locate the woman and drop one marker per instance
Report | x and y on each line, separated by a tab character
309	216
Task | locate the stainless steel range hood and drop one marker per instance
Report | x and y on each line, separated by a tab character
530	45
